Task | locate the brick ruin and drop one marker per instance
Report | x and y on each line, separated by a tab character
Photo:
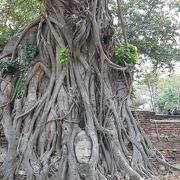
164	131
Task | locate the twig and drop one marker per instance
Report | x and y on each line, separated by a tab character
120	16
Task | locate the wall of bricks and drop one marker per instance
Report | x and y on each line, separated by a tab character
164	131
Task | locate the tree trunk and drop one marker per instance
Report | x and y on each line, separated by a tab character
72	121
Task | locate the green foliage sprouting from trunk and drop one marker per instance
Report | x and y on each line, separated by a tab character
9	67
127	53
64	56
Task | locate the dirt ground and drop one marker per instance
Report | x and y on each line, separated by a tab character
175	175
171	175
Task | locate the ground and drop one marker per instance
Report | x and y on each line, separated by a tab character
175	175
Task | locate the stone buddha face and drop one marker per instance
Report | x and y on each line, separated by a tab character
83	147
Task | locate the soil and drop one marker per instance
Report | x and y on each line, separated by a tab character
175	175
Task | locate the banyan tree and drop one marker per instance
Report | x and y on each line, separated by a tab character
64	100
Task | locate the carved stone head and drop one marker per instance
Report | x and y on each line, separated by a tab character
83	147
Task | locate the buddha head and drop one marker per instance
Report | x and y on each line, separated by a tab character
83	147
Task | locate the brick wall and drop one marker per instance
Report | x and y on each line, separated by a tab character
164	131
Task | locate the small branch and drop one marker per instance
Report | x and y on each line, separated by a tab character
120	17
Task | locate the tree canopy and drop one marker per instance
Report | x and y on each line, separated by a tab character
153	26
14	15
168	95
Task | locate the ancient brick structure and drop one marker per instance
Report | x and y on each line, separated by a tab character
164	131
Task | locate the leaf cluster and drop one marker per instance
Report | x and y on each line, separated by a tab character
14	15
168	99
153	26
23	67
168	95
127	53
9	67
64	56
21	86
30	50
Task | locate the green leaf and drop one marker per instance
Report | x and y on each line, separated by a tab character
127	53
64	56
